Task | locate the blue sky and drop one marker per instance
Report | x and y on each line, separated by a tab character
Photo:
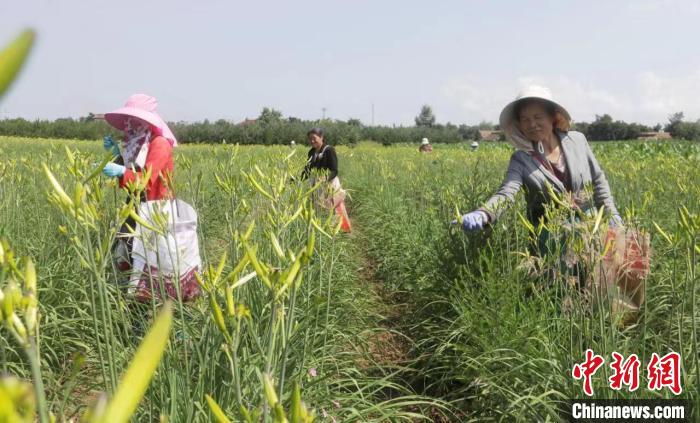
636	60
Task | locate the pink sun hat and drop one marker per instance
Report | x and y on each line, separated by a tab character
143	107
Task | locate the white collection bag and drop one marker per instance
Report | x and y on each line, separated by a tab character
166	244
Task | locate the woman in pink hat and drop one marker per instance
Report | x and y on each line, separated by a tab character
147	146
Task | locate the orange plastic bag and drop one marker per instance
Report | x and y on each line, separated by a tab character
342	213
622	271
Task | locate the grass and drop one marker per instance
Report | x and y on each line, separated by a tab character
489	337
405	319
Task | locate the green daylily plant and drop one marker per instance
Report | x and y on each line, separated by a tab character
19	304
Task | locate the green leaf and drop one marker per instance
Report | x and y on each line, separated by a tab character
13	56
143	365
108	157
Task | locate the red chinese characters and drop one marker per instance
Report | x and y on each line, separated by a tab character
625	372
665	372
587	369
662	372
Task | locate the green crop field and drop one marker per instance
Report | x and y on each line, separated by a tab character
407	318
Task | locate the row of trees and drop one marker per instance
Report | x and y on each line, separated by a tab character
271	127
604	128
678	128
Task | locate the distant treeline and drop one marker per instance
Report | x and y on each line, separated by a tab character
278	131
271	128
604	128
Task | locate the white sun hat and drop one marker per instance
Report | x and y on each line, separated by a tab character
508	120
424	141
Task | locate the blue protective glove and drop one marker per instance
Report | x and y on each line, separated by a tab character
109	145
473	221
113	170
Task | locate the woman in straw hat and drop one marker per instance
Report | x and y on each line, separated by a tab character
547	153
425	146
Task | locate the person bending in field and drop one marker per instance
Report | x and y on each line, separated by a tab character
425	146
547	153
322	158
147	146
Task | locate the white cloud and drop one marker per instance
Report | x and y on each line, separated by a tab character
645	97
582	100
476	99
663	6
480	99
663	95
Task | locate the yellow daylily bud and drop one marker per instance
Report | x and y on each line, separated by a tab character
218	317
230	305
30	277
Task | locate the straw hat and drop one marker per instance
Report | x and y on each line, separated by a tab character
508	120
143	107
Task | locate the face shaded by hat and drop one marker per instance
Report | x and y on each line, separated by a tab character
531	95
142	107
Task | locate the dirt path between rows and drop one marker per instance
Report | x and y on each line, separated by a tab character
391	348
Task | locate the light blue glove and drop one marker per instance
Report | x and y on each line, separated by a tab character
473	221
113	170
109	145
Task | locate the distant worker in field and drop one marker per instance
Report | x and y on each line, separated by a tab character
147	146
322	157
425	146
547	153
474	145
